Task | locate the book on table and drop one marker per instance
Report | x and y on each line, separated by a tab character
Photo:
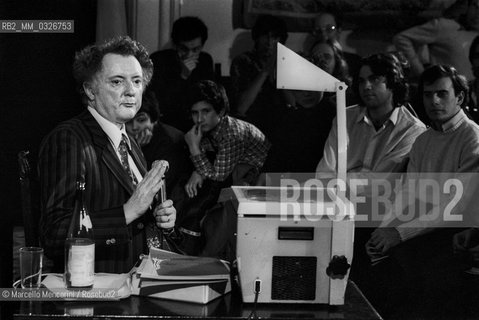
168	275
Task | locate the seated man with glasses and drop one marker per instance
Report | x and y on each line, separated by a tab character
327	26
177	68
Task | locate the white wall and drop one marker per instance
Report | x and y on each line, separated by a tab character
148	24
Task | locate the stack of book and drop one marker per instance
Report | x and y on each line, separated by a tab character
172	276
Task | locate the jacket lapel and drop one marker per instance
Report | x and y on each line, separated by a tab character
105	151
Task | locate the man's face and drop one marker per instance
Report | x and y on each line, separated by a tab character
373	90
139	123
203	114
189	49
440	101
323	56
116	90
325	27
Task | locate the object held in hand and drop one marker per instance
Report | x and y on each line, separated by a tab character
160	198
161	195
162	163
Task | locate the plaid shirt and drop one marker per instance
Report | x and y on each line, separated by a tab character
233	141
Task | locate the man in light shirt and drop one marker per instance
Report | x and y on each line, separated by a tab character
94	147
381	130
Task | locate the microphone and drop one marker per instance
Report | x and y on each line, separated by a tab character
161	197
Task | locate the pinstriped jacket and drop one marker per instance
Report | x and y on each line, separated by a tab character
80	149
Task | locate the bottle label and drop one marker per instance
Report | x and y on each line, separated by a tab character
81	264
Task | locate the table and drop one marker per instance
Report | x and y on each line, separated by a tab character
228	307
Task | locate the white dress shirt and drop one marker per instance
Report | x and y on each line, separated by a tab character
114	135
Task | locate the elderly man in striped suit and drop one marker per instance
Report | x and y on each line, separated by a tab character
94	147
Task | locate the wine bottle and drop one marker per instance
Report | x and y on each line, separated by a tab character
80	246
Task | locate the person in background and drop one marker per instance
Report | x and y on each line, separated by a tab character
304	121
466	243
224	151
177	68
446	38
95	148
472	107
327	25
159	141
415	104
328	55
253	75
302	129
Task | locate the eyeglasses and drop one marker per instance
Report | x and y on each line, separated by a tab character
329	28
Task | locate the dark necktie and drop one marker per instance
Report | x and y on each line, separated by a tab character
123	150
152	232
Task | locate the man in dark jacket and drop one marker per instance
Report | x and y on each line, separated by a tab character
95	148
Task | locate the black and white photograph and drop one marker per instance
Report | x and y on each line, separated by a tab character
239	159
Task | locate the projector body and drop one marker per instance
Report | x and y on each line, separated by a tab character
285	242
